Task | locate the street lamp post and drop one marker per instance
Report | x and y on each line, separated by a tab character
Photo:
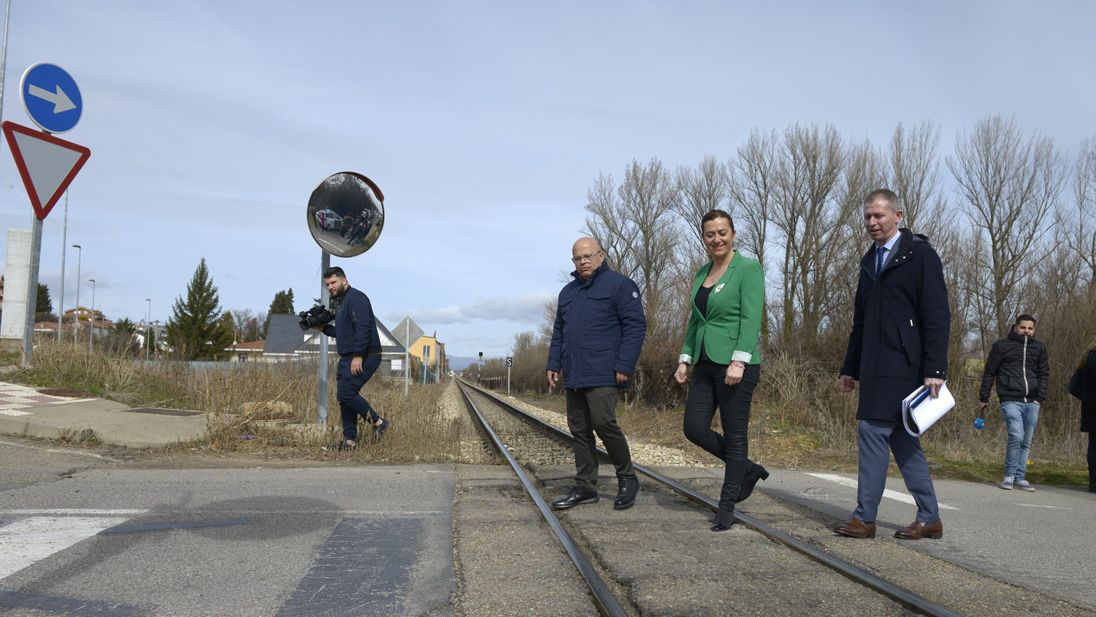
76	313
148	325
91	322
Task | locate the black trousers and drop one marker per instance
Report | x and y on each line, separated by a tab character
1092	459
589	411
707	392
351	403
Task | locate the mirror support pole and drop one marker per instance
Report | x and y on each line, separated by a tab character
325	263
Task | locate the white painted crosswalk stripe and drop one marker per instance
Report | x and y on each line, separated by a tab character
32	539
889	494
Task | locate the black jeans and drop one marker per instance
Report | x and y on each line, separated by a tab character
1092	459
708	392
351	404
589	411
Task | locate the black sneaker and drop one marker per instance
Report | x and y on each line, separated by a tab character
626	494
349	444
576	497
381	429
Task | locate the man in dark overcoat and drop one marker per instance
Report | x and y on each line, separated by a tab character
899	341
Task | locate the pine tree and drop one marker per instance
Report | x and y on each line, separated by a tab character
281	305
43	306
196	330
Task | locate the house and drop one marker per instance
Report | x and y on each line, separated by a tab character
426	348
251	351
286	341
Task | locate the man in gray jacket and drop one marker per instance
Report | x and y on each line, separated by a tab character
1019	365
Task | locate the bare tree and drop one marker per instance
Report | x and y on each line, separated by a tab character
636	225
1007	186
700	191
1080	223
753	178
807	219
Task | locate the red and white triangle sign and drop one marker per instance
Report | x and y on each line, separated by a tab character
46	163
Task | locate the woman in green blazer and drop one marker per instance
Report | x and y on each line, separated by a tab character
722	342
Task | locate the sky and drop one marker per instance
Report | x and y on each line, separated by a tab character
484	123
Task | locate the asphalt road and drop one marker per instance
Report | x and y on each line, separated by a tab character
82	535
1044	541
257	541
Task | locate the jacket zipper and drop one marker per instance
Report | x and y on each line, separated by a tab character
1023	369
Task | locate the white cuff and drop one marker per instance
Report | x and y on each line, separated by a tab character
685	359
741	356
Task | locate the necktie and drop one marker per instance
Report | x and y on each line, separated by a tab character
880	257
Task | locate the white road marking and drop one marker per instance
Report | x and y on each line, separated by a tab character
14	412
1036	505
889	494
29	540
74	512
58	451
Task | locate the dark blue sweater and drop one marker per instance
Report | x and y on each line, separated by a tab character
355	328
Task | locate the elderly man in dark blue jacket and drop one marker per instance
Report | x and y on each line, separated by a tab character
899	341
596	339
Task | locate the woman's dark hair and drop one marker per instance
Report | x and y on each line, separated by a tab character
716	214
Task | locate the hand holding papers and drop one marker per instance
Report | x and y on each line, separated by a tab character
920	410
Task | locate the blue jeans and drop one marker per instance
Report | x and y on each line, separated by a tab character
1020	419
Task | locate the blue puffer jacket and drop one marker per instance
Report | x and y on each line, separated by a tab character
599	330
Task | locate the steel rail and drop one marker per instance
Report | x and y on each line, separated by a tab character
607	603
901	595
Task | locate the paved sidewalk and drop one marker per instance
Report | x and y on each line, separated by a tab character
27	411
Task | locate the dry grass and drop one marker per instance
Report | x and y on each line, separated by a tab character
258	409
799	417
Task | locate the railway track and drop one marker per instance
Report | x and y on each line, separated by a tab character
529	445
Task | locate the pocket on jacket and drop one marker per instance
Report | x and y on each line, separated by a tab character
911	343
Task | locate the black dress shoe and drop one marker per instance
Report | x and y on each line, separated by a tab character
749	480
577	497
626	495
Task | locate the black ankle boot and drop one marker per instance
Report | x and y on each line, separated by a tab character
749	480
723	520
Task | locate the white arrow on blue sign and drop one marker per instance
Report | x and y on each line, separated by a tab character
51	97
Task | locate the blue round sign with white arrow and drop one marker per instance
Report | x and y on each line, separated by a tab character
51	97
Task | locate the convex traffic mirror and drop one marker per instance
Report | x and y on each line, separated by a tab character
346	214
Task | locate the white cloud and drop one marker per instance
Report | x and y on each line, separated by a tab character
527	309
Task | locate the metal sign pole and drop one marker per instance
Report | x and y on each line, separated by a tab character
64	251
406	357
507	379
32	290
325	263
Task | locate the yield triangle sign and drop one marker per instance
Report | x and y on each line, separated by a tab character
47	164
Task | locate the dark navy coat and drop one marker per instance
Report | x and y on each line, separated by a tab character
598	331
355	328
900	327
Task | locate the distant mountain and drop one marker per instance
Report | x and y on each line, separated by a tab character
458	363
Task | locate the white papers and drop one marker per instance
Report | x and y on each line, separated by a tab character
920	410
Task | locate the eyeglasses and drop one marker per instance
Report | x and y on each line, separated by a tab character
587	257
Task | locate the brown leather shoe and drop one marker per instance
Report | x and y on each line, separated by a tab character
917	530
856	528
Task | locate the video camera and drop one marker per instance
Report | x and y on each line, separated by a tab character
315	317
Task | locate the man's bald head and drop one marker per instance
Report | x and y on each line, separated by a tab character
587	256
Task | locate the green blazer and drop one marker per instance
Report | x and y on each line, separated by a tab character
731	330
